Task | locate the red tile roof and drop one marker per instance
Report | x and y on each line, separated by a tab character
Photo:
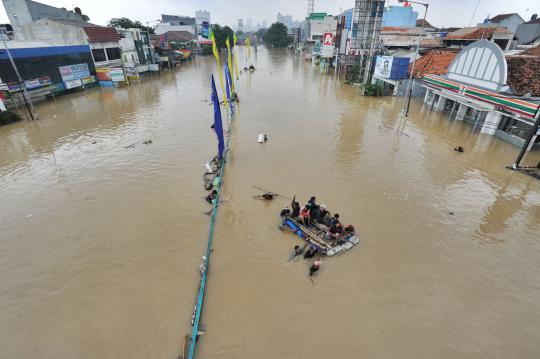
433	63
101	34
524	74
533	51
476	33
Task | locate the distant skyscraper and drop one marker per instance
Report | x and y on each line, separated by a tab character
264	24
249	24
285	19
240	25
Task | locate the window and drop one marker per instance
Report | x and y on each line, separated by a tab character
113	53
99	55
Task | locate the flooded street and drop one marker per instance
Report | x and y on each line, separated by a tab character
101	241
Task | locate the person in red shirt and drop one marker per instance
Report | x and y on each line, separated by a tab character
305	216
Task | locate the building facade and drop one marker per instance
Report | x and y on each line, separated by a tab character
475	90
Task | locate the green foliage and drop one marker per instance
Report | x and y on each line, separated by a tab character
125	23
206	50
260	33
221	33
9	117
373	89
277	35
352	76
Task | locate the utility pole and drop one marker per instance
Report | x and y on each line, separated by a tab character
27	101
529	142
408	95
148	38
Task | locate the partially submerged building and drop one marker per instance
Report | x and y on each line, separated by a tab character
497	95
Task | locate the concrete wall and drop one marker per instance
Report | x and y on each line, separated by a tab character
160	29
512	22
19	15
55	33
527	33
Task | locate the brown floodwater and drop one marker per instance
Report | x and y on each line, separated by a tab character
101	241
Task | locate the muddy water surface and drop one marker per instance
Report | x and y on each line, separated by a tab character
101	240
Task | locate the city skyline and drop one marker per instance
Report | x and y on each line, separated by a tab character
441	13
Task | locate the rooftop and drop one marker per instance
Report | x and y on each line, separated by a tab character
101	34
476	33
424	23
502	17
524	74
435	62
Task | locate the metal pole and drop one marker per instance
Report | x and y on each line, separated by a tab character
527	145
27	101
407	103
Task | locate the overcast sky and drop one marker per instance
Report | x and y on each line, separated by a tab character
442	13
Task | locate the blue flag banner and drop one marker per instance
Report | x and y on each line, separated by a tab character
227	83
218	126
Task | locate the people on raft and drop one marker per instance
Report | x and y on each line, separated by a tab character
305	216
211	196
251	67
335	231
459	149
234	97
324	215
314	267
268	196
295	210
313	208
334	220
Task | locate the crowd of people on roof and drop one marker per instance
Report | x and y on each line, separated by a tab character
315	215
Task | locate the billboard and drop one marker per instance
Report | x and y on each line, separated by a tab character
74	72
327	49
205	32
383	66
30	84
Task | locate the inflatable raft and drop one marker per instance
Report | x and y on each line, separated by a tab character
316	237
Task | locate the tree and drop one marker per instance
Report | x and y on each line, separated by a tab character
260	33
220	34
277	35
125	23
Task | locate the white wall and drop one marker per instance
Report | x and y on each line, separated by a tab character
160	29
55	33
19	15
319	27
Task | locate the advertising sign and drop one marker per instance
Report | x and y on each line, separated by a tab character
132	73
88	80
31	84
103	74
205	32
74	72
117	74
383	66
153	67
327	49
71	84
3	86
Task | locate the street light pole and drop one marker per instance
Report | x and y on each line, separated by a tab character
408	95
22	86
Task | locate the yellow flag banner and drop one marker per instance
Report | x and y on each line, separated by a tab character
229	62
216	55
248	48
235	60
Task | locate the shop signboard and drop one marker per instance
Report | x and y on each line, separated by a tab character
132	73
142	68
327	49
3	86
88	80
74	72
71	84
30	84
383	66
153	67
117	74
103	74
